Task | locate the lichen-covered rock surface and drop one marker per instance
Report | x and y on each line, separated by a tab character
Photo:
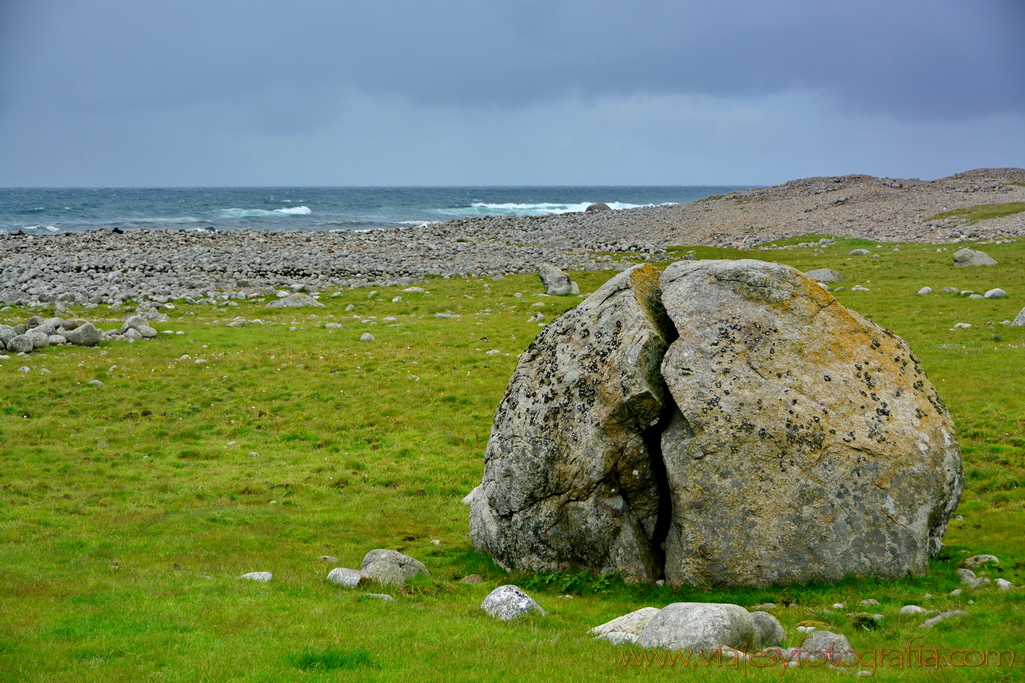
807	442
727	424
568	481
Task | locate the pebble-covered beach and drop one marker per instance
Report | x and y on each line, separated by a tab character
109	267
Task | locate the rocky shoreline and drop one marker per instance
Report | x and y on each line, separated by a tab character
109	267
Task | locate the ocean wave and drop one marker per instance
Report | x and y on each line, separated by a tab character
539	209
51	228
255	213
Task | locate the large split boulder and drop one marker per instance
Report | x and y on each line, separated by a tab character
568	477
764	434
966	258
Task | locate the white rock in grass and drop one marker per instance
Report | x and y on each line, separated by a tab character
391	568
348	578
962	326
912	609
929	623
383	597
261	577
367	337
996	294
1004	584
634	622
925	290
508	603
699	626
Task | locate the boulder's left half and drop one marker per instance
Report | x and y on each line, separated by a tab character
568	473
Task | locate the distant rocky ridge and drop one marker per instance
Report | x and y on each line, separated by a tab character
104	266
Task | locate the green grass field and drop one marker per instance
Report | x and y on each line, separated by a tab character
127	512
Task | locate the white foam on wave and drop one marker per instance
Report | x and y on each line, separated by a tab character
539	209
51	228
255	213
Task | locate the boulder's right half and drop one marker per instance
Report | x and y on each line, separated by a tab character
807	443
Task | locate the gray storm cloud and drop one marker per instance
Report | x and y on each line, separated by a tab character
937	59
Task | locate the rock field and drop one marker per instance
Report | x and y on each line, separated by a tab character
103	266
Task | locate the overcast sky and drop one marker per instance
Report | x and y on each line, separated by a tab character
505	92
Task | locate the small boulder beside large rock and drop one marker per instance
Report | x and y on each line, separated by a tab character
296	300
968	257
699	626
391	568
825	275
556	282
509	602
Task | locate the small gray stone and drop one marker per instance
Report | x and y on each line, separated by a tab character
969	578
296	300
1004	584
976	561
950	290
367	337
996	294
473	579
328	558
912	609
95	383
822	645
860	252
20	344
508	603
925	290
391	568
348	578
556	282
634	622
929	623
85	334
699	626
600	206
262	577
763	607
768	631
825	275
869	602
967	258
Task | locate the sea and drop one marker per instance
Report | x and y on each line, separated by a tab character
45	211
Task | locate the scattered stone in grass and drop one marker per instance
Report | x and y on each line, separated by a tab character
1004	584
367	337
966	258
492	352
996	293
859	252
396	299
472	579
419	290
297	300
763	607
391	568
962	326
869	602
912	609
626	628
371	295
859	288
839	605
925	290
865	622
969	578
536	318
976	296
768	631
976	561
956	591
929	623
200	361
95	383
24	368
950	290
699	626
556	282
446	315
261	577
508	603
348	578
328	558
350	307
333	326
825	275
